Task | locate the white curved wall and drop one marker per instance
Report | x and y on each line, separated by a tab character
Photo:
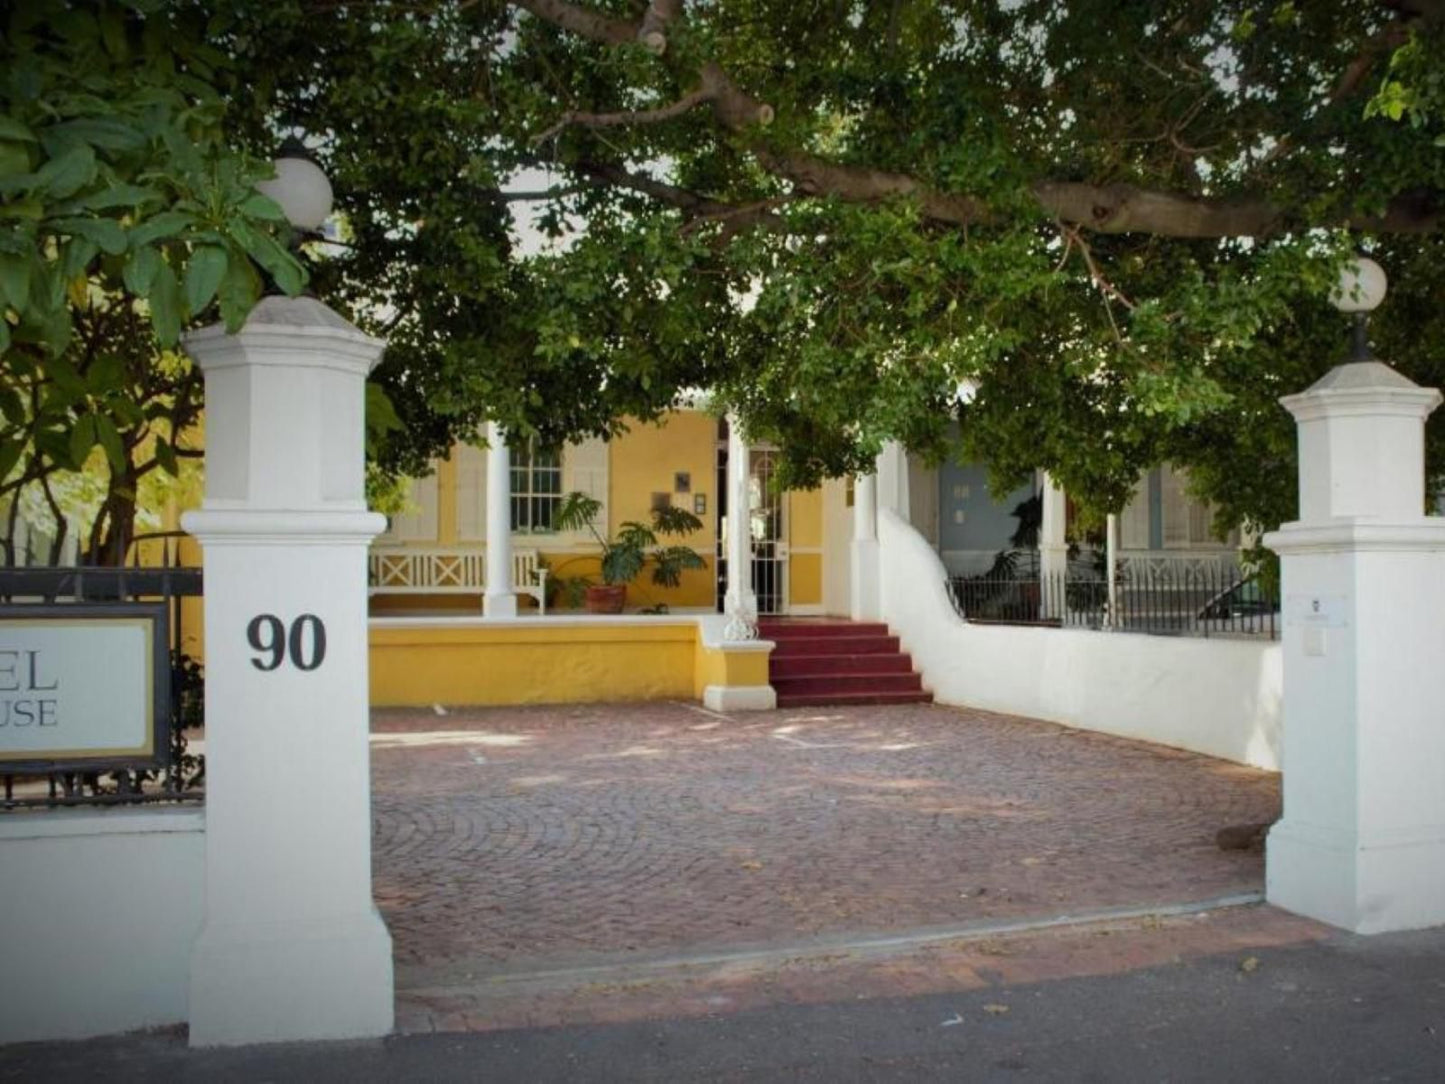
1219	697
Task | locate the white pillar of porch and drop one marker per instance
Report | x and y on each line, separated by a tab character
866	603
291	945
1362	841
740	603
500	597
893	492
1053	547
1111	569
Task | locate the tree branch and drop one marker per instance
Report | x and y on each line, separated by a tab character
652	32
579	20
662	113
1112	208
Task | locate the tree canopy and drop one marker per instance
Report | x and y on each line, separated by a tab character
1088	236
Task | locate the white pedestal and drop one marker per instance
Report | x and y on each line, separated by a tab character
291	946
1361	844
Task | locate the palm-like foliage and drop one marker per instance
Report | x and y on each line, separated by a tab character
636	544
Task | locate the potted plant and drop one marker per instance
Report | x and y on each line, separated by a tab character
636	546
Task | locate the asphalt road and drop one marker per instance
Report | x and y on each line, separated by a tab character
1346	1009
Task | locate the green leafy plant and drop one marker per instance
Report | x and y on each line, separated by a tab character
637	544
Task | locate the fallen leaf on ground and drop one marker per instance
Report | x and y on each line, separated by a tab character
751	865
996	1010
1250	963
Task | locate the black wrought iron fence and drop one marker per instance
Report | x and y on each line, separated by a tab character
1199	601
181	776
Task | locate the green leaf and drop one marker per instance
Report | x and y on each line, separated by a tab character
105	374
68	173
10	452
12	407
4	336
264	207
117	195
107	133
79	251
140	268
10	128
109	437
266	251
165	299
105	232
204	272
15	270
166	456
240	289
159	227
82	440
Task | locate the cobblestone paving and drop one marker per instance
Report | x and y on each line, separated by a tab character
513	837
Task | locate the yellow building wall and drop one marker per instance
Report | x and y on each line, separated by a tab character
805	545
646	460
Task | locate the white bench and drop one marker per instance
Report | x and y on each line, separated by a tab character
418	570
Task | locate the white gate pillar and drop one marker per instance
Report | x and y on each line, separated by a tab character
500	598
866	603
740	602
893	490
1362	841
1053	547
291	946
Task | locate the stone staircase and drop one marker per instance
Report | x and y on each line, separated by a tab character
826	661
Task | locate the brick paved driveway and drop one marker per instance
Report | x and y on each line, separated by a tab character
519	837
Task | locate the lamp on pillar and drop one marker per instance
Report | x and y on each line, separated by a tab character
1359	292
300	187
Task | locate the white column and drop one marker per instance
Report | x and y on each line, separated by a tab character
1053	547
1362	840
500	598
892	468
866	603
291	946
1111	569
740	603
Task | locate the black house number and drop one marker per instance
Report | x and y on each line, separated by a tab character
305	642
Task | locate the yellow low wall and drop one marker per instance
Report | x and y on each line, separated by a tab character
541	661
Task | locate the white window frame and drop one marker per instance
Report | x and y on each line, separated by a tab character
522	500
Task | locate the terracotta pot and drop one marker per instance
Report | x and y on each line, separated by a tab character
607	599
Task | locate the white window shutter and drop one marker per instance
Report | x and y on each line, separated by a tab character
584	468
471	492
1176	508
1134	522
419	522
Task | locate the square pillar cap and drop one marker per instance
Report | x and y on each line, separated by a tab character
295	330
1359	386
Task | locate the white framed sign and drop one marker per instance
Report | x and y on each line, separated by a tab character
83	687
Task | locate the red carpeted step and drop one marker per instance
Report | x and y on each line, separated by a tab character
847	683
879	663
820	630
824	700
835	645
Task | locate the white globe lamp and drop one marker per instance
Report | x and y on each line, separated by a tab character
1359	291
300	187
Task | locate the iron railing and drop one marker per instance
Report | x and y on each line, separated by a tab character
1193	602
180	777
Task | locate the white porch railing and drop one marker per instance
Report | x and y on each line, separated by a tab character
1164	568
414	570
